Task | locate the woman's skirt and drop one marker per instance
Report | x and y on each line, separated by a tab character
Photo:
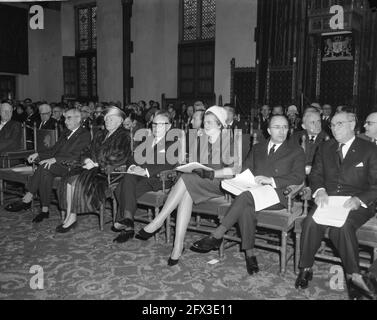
89	191
201	189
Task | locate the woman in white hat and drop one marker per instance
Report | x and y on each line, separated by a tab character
200	185
84	190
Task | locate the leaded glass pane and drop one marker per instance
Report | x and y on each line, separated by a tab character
83	28
190	25
94	76
83	77
208	26
94	27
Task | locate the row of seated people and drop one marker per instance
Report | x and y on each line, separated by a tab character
277	162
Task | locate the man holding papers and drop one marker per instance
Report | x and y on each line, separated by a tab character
274	163
347	167
141	178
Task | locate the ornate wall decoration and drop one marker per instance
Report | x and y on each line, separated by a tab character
337	47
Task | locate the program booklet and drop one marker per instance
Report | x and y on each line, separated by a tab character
264	195
188	168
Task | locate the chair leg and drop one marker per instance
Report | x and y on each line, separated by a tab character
101	214
297	251
167	229
374	253
222	249
157	212
1	192
115	209
283	252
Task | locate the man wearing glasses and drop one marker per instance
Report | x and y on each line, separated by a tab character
311	137
370	126
46	122
345	166
274	162
53	163
142	177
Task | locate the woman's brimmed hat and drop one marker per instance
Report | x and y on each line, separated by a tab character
115	111
220	113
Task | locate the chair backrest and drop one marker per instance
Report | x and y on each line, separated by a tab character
95	129
44	139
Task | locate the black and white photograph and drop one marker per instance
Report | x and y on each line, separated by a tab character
188	156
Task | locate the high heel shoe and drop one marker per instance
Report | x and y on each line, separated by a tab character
144	235
173	262
61	229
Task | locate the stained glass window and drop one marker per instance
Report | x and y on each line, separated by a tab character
199	20
86	51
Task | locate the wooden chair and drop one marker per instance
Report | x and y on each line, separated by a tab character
281	221
366	234
11	158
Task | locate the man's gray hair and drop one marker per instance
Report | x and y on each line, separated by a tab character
75	112
350	115
44	104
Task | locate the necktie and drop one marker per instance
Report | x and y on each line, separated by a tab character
340	153
311	140
272	150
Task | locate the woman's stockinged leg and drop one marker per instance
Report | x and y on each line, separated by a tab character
70	216
183	219
174	198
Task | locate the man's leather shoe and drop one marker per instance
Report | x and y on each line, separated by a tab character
61	229
252	265
124	236
206	244
18	206
126	224
41	216
303	279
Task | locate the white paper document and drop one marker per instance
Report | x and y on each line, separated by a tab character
264	195
333	214
22	169
188	168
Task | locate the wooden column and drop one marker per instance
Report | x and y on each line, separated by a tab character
127	50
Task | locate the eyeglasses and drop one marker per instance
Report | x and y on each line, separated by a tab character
159	125
280	127
338	124
369	123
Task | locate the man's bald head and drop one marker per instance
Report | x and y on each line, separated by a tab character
6	111
371	126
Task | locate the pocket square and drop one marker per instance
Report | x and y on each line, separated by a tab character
360	165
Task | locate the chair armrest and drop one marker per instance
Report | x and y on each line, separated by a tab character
293	190
306	193
165	176
22	154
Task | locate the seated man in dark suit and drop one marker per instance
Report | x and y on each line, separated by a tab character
262	120
142	178
52	164
326	118
310	138
231	121
46	121
370	126
346	166
10	130
274	162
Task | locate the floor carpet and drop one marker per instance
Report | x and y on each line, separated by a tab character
86	264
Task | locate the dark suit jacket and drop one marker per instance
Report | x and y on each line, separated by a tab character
356	176
310	148
49	125
160	160
68	150
286	165
10	136
326	126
